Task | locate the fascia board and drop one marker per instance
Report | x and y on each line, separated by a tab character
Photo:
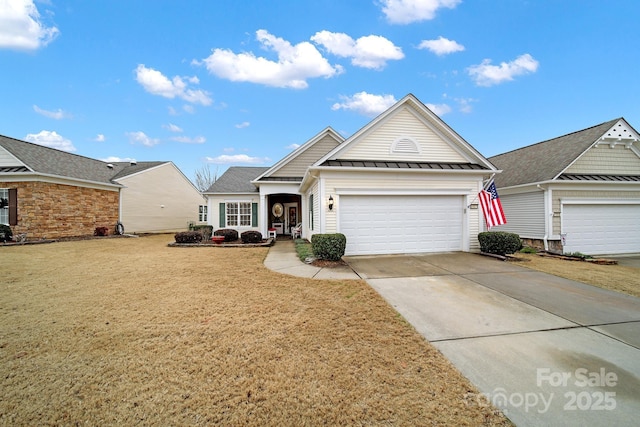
56	179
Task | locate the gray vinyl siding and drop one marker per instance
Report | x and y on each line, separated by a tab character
604	160
298	166
524	213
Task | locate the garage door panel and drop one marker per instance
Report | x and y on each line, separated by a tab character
601	228
401	224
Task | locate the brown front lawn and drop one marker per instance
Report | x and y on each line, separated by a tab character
613	277
130	331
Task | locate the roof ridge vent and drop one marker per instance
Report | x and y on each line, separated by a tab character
133	162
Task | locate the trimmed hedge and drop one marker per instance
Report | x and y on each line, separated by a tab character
230	235
188	237
328	246
251	236
499	242
205	230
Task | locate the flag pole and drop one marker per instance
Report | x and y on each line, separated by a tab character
484	187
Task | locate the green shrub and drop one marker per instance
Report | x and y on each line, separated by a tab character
499	242
303	249
230	235
328	246
251	236
205	230
188	237
529	250
6	234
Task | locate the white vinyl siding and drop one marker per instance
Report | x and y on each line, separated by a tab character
159	199
401	224
404	124
596	229
604	160
8	160
524	213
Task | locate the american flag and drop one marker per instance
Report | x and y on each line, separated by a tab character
491	206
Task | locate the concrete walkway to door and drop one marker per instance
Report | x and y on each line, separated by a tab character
545	350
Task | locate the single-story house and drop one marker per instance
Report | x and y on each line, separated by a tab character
49	193
576	193
404	183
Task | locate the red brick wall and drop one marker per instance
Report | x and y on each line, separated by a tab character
52	211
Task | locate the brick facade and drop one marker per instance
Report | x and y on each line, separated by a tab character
52	211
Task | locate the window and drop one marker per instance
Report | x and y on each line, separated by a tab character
4	206
311	211
202	213
238	214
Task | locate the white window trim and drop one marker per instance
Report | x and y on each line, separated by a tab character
226	213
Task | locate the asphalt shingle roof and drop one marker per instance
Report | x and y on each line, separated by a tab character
545	160
45	160
237	179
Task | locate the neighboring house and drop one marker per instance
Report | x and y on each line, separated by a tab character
576	193
52	194
404	183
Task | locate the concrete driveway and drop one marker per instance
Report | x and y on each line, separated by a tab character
545	350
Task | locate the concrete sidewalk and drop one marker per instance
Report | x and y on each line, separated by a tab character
282	257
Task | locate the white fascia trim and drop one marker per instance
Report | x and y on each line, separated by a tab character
403	170
405	192
577	201
55	179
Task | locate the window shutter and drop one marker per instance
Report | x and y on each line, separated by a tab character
254	214
223	216
13	206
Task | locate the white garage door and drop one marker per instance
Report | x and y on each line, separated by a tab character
601	229
401	224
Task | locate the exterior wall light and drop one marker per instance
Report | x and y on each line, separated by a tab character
330	202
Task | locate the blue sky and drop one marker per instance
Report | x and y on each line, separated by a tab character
244	82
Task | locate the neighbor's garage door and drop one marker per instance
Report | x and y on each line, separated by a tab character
401	224
601	229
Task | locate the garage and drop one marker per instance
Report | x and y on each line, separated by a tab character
376	224
596	229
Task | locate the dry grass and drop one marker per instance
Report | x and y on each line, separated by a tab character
130	331
613	277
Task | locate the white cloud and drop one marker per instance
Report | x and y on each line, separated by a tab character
100	138
486	74
368	52
21	27
441	46
243	125
237	158
142	138
57	114
51	139
156	83
189	140
365	103
172	128
292	146
408	11
114	159
439	109
294	66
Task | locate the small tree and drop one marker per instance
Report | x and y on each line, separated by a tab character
205	177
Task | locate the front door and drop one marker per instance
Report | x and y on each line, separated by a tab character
291	216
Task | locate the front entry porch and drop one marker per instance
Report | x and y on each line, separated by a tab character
284	212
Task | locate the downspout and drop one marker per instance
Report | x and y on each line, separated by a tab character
545	239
